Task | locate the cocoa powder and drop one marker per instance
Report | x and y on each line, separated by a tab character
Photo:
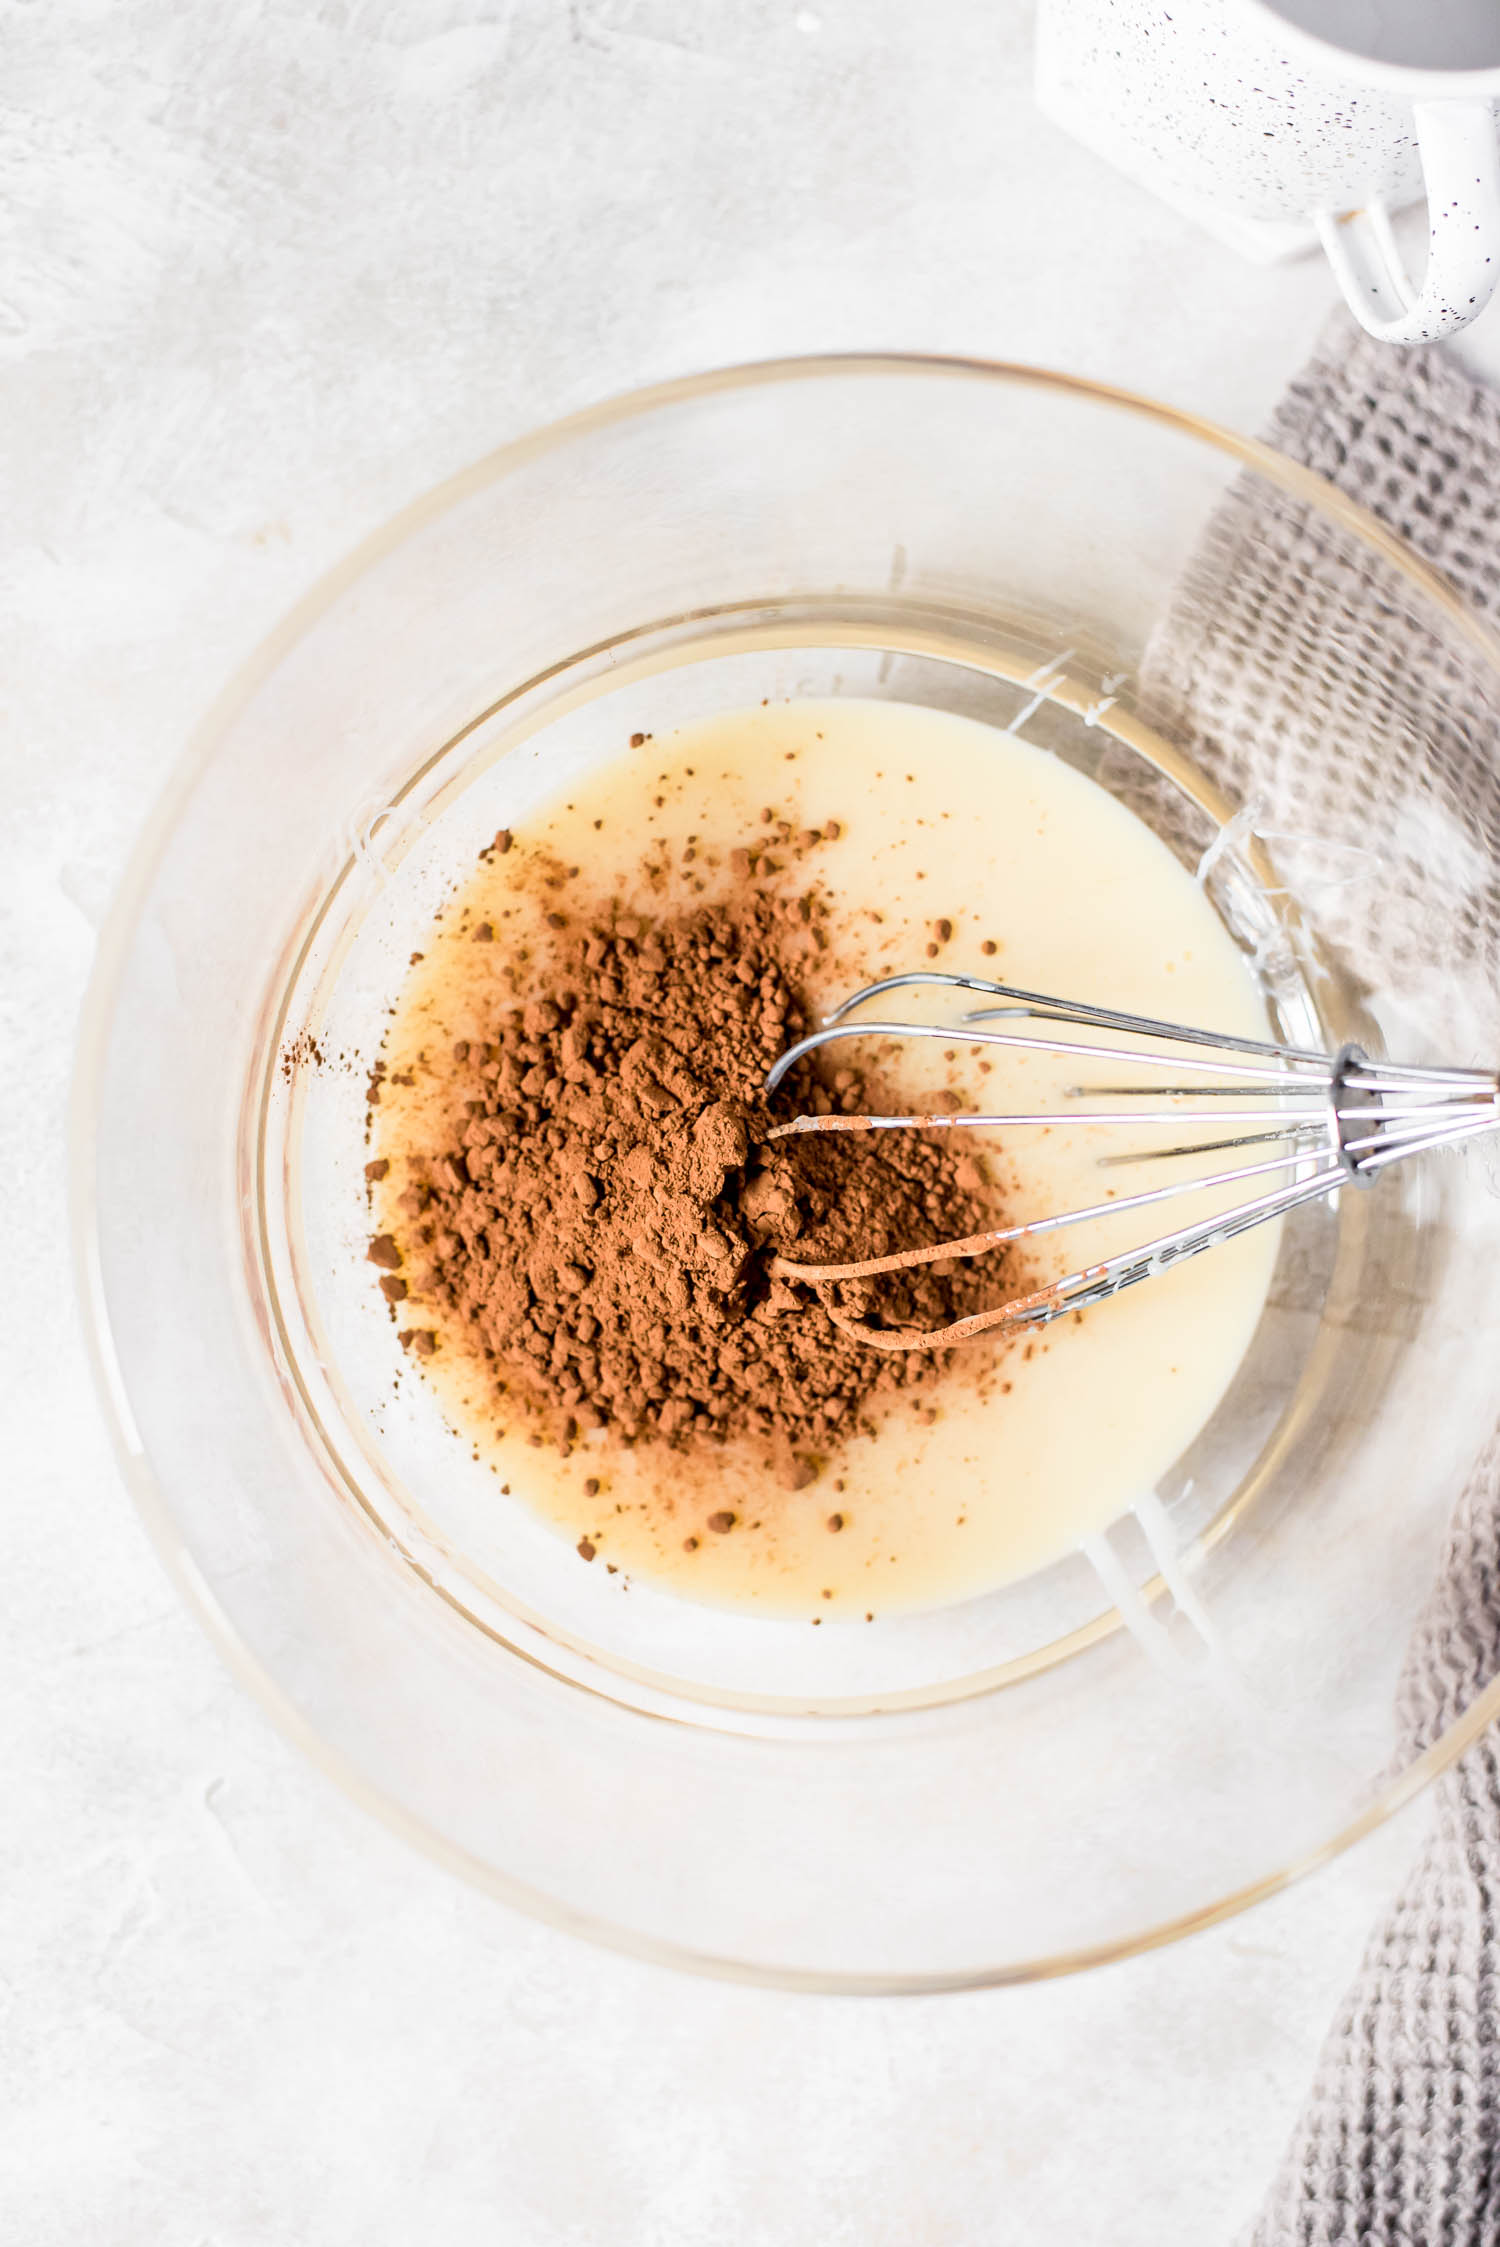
597	1224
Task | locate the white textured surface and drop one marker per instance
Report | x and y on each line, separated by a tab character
266	272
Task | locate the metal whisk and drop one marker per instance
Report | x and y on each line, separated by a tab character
1338	1119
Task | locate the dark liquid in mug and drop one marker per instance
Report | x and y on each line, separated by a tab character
1414	34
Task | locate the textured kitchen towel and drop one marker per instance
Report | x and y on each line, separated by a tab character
1399	2141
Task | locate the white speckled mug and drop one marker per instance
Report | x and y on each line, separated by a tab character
1278	122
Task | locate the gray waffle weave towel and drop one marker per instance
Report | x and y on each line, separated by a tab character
1399	2141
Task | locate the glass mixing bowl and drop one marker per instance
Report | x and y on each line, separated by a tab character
1116	1751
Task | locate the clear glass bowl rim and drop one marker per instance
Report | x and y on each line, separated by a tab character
118	932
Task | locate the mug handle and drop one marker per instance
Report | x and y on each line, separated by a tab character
1461	168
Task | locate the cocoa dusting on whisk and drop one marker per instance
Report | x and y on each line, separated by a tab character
597	1224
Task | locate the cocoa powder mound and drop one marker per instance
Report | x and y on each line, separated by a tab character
599	1225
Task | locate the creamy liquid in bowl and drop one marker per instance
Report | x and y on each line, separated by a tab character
1037	878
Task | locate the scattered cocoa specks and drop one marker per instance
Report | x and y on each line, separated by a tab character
586	1548
384	1252
301	1052
835	1523
591	1487
394	1290
690	1544
989	948
375	1171
484	934
721	1523
502	842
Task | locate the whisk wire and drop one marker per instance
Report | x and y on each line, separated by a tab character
1340	1118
